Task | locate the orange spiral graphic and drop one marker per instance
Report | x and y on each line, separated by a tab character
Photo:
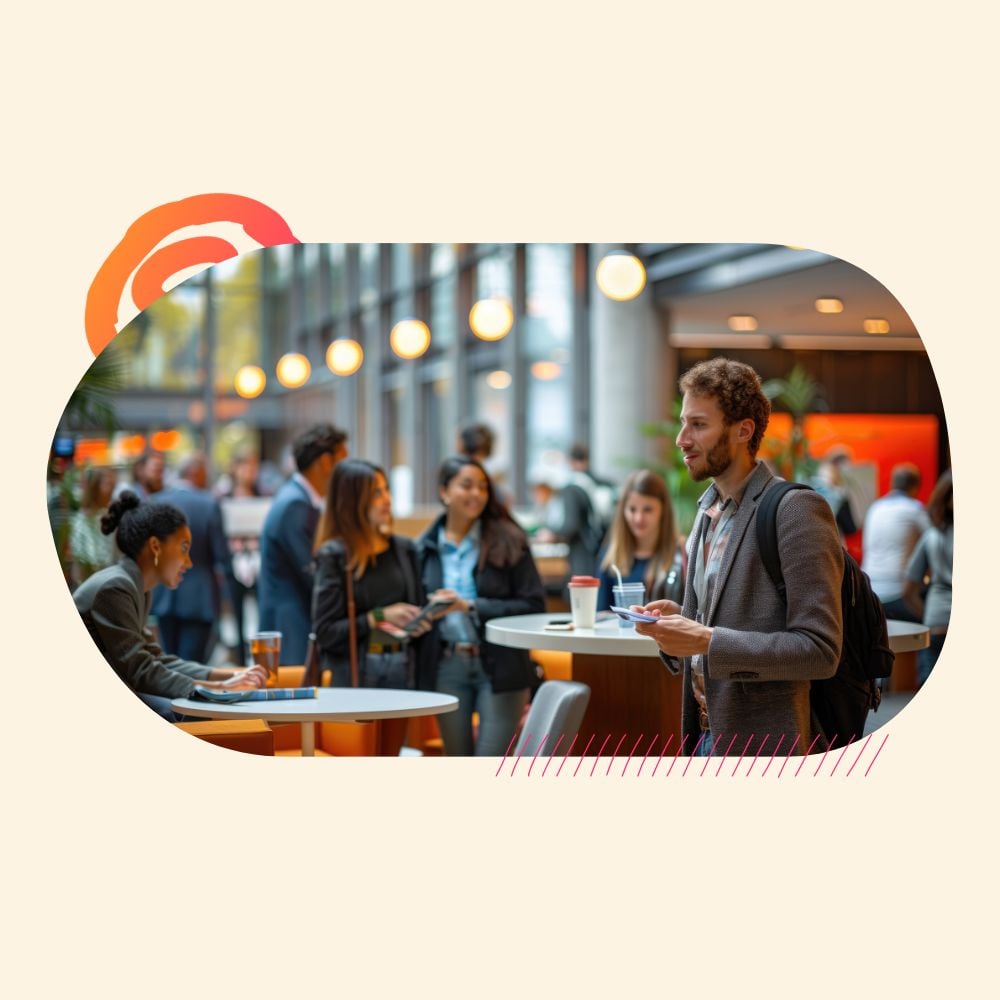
134	254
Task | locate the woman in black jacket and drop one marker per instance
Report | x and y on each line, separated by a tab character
476	556
354	537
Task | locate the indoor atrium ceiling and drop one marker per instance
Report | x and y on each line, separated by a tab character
701	285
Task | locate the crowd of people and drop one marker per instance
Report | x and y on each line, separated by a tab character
332	569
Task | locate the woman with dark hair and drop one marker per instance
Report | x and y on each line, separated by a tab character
355	548
155	540
931	564
643	542
477	557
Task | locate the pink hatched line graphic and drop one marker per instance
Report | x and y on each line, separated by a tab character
781	740
649	750
631	753
615	754
877	752
537	752
788	756
551	755
823	758
676	755
721	749
841	757
859	756
597	759
724	756
568	752
742	755
756	755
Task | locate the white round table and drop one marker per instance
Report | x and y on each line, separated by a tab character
631	691
329	705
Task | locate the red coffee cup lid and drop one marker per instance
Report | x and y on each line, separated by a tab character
584	581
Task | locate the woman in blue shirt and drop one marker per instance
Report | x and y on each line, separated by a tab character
476	556
643	542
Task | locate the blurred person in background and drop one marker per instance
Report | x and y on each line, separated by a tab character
147	475
930	566
188	614
155	543
893	526
241	480
830	483
90	549
241	483
643	542
603	493
355	538
565	514
285	584
477	557
477	441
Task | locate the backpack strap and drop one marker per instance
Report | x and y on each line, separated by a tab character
767	531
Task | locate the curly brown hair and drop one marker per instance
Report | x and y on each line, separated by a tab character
737	388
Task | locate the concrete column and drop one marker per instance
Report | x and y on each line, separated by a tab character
633	376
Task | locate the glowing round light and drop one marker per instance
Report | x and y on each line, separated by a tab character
250	381
621	276
491	319
409	338
344	357
742	324
293	370
499	380
546	371
876	325
829	305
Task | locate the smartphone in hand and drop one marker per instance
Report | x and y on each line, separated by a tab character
633	616
430	609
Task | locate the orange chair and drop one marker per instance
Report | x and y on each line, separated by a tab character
558	665
244	735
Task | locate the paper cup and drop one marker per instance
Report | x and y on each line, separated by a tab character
583	600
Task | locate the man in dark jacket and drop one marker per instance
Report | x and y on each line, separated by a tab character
188	616
284	586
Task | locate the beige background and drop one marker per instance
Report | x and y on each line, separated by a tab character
141	863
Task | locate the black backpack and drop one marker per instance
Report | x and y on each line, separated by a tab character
841	703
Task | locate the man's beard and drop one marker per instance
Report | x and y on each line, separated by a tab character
718	459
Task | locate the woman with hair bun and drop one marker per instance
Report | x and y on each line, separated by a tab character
114	603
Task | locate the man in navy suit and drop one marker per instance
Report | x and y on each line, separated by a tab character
284	586
188	616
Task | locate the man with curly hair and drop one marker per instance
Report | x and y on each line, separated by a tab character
748	655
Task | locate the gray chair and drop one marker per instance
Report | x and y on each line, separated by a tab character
556	710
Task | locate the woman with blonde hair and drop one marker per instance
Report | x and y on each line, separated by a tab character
643	542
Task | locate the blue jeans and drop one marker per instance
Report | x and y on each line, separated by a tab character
499	714
705	750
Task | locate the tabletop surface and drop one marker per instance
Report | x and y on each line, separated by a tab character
330	705
607	639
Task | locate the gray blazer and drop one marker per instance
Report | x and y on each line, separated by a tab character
763	654
114	607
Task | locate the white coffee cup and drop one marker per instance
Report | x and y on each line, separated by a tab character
583	600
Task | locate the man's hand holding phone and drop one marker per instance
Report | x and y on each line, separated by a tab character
672	632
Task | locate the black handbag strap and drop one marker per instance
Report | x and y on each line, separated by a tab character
352	625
